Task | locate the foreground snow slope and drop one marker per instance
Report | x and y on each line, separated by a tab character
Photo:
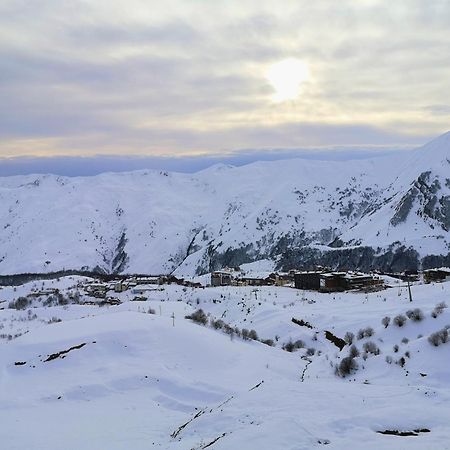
138	379
389	212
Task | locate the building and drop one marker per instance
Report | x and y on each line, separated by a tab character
221	278
436	275
307	280
335	281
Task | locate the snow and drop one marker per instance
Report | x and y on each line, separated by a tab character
139	376
170	222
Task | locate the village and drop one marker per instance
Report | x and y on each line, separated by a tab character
106	290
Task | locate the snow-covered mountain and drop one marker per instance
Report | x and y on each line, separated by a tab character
391	212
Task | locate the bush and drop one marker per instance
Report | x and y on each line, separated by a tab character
416	315
400	320
349	337
54	320
401	362
310	351
217	324
288	346
405	340
292	346
438	309
371	347
439	337
20	303
368	332
365	333
268	342
198	317
389	359
386	321
395	348
346	366
354	352
151	311
252	334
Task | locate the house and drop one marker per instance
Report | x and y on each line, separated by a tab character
309	280
221	278
436	275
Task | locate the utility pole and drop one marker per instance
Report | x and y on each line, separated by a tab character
173	319
409	290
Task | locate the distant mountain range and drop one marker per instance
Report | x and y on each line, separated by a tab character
390	213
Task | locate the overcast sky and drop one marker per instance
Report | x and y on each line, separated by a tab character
177	78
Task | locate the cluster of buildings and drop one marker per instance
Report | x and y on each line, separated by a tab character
324	280
319	280
329	281
436	275
138	285
235	277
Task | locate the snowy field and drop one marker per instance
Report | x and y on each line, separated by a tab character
78	376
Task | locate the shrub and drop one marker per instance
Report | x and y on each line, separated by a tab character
217	324
386	321
310	351
438	309
365	332
20	303
354	352
346	366
245	334
292	346
439	337
371	347
368	332
252	334
395	348
400	320
151	311
268	342
416	315
401	362
54	320
349	337
389	359
198	317
288	346
405	340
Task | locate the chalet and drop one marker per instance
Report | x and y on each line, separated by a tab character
221	278
436	275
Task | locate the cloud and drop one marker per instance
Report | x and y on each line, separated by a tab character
188	77
94	165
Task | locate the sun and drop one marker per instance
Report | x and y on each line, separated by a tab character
286	77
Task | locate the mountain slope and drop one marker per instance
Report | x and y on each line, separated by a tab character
391	212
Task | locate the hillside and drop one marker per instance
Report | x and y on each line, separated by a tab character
79	375
391	212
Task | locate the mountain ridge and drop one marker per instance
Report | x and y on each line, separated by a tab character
390	212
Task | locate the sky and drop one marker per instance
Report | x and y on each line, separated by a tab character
194	81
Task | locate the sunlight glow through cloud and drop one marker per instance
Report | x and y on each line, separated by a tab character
287	77
188	77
